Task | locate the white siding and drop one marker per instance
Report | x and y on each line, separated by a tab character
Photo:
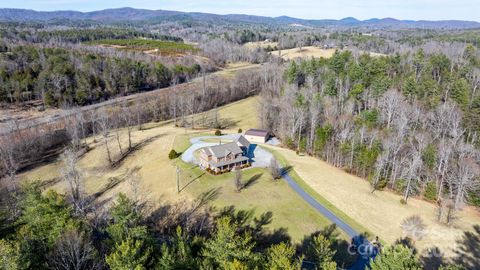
256	139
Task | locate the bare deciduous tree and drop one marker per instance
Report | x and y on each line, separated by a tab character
275	170
74	180
74	252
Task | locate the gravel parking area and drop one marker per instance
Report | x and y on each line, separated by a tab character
260	157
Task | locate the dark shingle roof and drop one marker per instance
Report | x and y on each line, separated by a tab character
223	150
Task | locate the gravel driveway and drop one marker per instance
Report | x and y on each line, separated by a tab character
260	158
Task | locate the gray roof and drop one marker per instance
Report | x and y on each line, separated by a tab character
257	132
222	150
243	141
227	162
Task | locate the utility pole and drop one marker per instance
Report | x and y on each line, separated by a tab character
178	179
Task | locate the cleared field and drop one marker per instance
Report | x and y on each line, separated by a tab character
310	51
241	114
381	212
305	52
261	44
290	214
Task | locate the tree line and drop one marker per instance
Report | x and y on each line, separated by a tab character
405	122
60	77
26	144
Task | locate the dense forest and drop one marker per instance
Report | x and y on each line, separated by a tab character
62	77
409	123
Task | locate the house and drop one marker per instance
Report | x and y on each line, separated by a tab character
257	135
225	157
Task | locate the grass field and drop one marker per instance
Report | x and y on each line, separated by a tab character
305	52
261	44
381	213
261	195
290	214
348	196
308	52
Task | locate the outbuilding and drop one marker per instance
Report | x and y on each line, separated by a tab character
257	135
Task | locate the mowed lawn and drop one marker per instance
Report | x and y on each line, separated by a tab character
157	175
381	212
261	195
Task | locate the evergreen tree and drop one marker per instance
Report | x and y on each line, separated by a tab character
226	245
397	257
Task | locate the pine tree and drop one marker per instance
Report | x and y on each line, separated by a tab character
226	245
396	257
129	254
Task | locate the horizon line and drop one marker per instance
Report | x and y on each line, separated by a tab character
243	14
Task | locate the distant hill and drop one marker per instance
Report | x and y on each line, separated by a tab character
155	16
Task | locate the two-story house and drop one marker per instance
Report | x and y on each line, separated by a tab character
226	156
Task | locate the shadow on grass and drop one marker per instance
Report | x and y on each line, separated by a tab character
286	170
50	182
432	259
468	249
134	148
191	181
252	180
113	182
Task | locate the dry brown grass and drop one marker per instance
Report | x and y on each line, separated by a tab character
380	212
261	44
311	51
158	176
305	52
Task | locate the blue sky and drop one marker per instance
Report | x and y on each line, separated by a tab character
308	9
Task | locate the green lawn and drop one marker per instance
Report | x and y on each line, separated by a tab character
262	195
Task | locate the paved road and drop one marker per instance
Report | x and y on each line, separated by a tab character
365	248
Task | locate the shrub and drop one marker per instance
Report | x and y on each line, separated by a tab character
240	130
382	184
403	201
430	191
289	143
474	197
218	132
173	154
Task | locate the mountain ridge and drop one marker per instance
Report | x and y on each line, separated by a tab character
155	16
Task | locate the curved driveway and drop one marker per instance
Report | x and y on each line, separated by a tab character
262	158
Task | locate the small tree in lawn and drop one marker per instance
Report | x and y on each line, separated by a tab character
275	170
240	130
237	179
173	154
218	132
